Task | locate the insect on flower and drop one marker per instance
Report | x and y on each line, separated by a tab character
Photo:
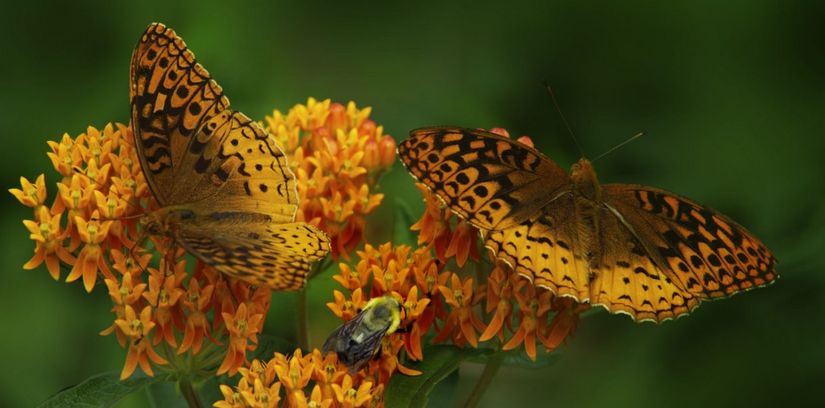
357	340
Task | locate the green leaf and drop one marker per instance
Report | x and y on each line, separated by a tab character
439	361
522	360
102	390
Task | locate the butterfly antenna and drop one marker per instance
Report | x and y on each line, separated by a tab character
638	135
137	244
558	109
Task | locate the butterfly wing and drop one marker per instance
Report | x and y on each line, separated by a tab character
491	181
542	249
247	247
171	97
662	253
191	146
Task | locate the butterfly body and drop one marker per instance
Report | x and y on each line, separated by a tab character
224	188
637	250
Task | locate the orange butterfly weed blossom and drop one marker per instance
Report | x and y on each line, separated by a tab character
635	250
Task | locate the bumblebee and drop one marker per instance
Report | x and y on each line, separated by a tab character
357	340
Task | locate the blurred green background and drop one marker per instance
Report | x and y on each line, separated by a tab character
731	96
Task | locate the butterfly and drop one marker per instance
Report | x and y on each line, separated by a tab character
225	191
636	250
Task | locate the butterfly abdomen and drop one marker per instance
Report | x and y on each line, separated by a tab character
588	199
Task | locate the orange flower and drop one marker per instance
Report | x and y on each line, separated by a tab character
532	316
76	199
352	280
140	352
414	308
388	364
294	376
347	309
326	373
564	322
196	303
64	156
243	327
462	322
49	240
164	295
389	279
434	225
32	195
91	258
350	397
317	399
463	243
123	294
258	396
501	287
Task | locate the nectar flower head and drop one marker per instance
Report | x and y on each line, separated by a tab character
337	153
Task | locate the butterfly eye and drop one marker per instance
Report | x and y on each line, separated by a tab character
154	228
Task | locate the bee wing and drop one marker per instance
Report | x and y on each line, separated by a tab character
360	354
339	340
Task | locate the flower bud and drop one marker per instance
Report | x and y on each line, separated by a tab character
386	151
526	140
500	131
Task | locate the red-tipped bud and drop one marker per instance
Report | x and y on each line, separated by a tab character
500	131
367	128
386	151
525	140
322	139
337	118
372	158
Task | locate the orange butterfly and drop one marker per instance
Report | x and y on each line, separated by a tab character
638	250
224	187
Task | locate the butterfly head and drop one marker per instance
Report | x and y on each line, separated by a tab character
585	182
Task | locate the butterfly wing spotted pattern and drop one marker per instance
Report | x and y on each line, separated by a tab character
636	250
226	192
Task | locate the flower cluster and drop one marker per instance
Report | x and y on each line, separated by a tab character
300	381
338	154
165	317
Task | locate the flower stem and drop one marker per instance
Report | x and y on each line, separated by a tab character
189	394
490	370
301	308
301	303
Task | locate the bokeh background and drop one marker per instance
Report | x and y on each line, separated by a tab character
731	95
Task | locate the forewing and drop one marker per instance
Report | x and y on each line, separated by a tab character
243	246
233	163
490	180
544	249
193	149
171	97
703	252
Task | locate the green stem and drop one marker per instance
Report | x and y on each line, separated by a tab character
189	394
301	303
490	369
301	307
